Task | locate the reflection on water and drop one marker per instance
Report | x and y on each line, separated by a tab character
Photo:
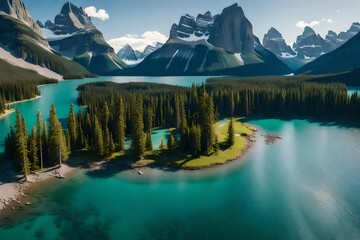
306	186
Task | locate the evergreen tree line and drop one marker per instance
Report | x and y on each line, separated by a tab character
116	111
45	146
283	98
146	106
19	90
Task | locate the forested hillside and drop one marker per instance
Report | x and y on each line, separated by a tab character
18	84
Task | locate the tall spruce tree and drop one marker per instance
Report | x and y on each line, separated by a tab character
171	142
162	144
33	150
207	119
40	143
98	139
21	146
195	140
231	134
72	127
58	151
119	136
149	144
137	129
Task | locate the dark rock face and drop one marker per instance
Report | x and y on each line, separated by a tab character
127	53
18	10
71	19
274	42
40	24
311	46
49	24
86	44
232	31
338	40
189	25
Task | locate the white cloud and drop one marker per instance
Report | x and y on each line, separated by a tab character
136	42
338	11
303	24
100	14
328	20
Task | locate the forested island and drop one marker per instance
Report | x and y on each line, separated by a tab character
115	112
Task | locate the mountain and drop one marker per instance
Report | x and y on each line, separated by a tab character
150	49
274	41
21	40
74	35
127	53
17	9
342	59
336	40
207	44
310	45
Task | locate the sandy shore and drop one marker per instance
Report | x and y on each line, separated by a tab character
26	100
8	112
14	192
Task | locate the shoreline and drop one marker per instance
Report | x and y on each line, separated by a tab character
14	193
11	110
7	112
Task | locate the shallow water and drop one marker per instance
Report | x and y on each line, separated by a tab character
306	186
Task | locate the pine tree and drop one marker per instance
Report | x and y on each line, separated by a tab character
171	142
68	139
45	143
137	133
98	139
216	144
33	150
21	146
39	139
162	144
195	140
120	124
105	115
58	151
231	134
149	144
72	127
207	120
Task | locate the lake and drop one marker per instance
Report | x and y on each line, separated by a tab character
306	186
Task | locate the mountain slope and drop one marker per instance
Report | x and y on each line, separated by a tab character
23	42
75	36
342	59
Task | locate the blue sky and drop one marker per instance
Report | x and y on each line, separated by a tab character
138	16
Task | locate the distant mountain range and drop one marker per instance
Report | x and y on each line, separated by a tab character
345	58
131	56
74	35
308	46
208	45
23	45
224	44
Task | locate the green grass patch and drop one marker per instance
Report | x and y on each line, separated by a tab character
179	159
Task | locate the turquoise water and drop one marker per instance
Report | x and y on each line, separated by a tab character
352	90
306	186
